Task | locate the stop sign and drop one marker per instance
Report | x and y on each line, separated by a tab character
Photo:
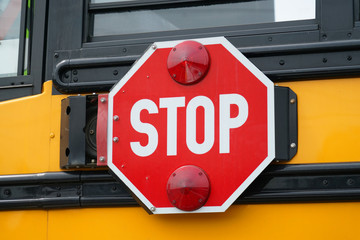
190	126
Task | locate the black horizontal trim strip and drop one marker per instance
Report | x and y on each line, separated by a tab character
283	183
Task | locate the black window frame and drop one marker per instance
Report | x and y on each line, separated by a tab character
25	85
305	49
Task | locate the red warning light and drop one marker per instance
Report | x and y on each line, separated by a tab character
188	62
188	188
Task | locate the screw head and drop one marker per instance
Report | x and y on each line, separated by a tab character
103	100
293	145
52	135
153	209
292	101
116	139
102	159
116	118
153	46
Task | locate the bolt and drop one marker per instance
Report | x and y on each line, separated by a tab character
75	72
58	194
75	79
115	139
91	132
67	75
122	166
292	101
270	39
293	145
7	192
116	118
350	181
115	72
174	174
103	100
102	159
349	35
114	188
349	58
324	60
93	160
174	202
147	76
281	62
174	49
52	135
200	47
200	200
153	209
154	46
147	178
325	182
124	50
174	75
123	91
56	55
324	36
200	173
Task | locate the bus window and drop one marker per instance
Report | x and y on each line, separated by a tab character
133	18
10	16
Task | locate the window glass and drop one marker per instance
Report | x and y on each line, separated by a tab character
202	14
10	11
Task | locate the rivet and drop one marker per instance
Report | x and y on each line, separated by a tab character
58	194
174	174
270	39
293	145
115	139
324	60
349	58
325	182
122	166
93	160
102	159
174	75
281	62
56	55
154	46
91	132
153	209
200	200
116	118
324	36
349	34
292	101
200	173
52	135
350	181
75	72
124	50
147	178
103	100
115	72
147	76
76	79
123	91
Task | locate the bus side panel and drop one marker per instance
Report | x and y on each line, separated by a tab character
262	221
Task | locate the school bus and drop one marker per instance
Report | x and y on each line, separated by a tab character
52	50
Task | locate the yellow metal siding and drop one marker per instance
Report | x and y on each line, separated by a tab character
329	130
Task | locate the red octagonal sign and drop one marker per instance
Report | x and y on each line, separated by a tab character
190	126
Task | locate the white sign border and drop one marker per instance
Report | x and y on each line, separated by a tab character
270	115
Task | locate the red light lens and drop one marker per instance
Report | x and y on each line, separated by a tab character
188	188
188	62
